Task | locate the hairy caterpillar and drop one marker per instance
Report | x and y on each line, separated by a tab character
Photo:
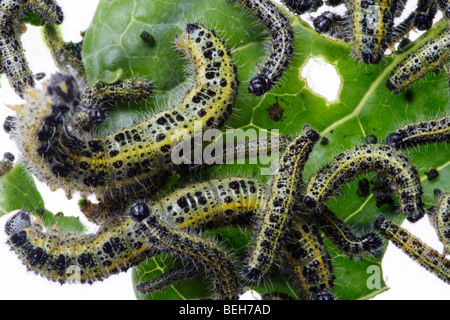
342	236
129	157
282	47
332	24
310	260
12	59
424	255
280	204
372	22
422	132
380	158
168	278
191	247
302	6
440	219
430	57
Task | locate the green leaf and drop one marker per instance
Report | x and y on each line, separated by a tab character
364	106
18	191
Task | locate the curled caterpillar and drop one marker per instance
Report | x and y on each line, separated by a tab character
372	22
424	255
380	158
430	57
12	59
282	47
129	157
280	204
440	219
422	132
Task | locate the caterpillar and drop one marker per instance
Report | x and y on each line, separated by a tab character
192	247
168	278
425	13
372	24
302	6
12	59
422	132
380	158
282	47
424	255
130	157
440	219
444	6
67	56
310	261
430	57
280	204
342	236
332	24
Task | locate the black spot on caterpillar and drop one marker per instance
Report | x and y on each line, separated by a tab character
422	132
425	13
424	255
348	165
12	59
372	22
310	261
129	157
440	219
342	236
282	47
282	197
430	57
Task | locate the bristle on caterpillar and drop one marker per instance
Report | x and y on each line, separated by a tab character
379	158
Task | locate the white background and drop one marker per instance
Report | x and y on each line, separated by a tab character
406	279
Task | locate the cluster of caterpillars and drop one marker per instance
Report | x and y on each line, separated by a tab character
135	158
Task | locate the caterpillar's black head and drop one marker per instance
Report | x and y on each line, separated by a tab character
139	211
18	222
